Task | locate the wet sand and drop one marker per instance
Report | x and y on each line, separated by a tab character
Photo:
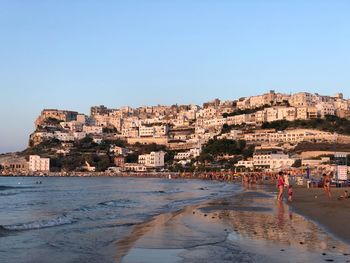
252	226
333	215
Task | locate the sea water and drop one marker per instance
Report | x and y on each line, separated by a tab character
81	219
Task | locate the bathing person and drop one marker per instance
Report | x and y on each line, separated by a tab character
280	185
327	185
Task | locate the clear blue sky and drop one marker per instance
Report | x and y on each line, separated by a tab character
74	54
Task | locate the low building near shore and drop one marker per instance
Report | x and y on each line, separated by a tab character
315	162
38	164
152	160
192	153
249	164
271	158
14	164
134	167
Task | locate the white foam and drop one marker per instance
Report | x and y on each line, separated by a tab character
61	220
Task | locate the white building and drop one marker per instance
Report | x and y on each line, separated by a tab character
130	132
93	129
232	135
286	113
152	160
245	164
72	126
237	119
79	135
145	131
290	136
214	122
119	150
37	164
272	158
97	140
192	153
64	136
324	109
302	99
134	167
151	131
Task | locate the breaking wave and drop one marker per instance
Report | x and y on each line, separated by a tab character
61	220
117	203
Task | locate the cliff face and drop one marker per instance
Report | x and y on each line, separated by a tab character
34	139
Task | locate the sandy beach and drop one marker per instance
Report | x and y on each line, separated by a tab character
249	227
332	214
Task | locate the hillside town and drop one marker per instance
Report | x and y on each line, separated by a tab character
263	132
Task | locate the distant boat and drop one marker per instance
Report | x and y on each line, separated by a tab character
169	176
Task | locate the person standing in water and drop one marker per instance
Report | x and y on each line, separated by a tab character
280	185
327	185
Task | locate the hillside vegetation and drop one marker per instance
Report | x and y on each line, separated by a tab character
329	124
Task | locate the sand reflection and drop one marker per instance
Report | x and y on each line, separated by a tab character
252	220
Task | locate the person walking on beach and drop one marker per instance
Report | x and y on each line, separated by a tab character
280	185
327	185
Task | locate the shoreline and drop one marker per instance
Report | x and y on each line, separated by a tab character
251	223
331	215
222	176
248	225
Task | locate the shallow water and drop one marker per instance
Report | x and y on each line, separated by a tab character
251	226
84	219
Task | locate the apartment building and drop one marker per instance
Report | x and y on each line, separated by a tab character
74	126
37	164
302	99
207	113
64	136
130	132
286	113
271	158
291	136
249	164
93	129
153	131
324	109
232	135
152	160
14	164
237	119
214	122
134	167
192	153
260	117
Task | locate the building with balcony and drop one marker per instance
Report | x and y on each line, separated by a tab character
38	164
152	160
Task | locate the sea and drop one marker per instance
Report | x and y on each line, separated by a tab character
82	219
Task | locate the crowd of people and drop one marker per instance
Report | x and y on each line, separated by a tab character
284	181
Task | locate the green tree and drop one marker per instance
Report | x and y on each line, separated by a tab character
297	163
